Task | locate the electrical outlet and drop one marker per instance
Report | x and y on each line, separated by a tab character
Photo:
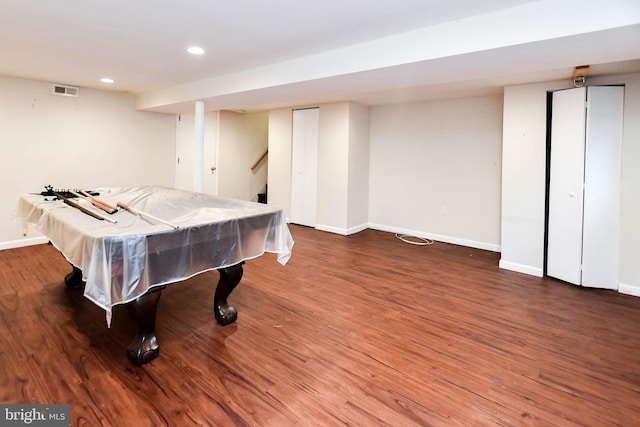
443	210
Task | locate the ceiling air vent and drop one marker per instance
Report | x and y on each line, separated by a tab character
64	90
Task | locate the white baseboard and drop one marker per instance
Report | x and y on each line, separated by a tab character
520	268
437	237
341	231
629	290
12	244
357	229
330	229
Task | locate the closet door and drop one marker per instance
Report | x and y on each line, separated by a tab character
603	168
186	153
564	250
304	166
584	189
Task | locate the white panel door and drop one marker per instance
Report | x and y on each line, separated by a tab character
304	166
186	153
564	250
210	172
603	163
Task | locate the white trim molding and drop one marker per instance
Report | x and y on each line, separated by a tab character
520	268
341	231
629	289
13	244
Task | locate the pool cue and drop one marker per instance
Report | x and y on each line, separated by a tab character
95	202
141	213
80	208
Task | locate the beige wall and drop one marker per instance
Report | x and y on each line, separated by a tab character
523	176
343	165
523	189
96	139
243	138
394	167
358	191
279	173
333	167
435	170
343	168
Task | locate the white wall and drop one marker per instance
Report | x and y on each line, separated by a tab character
96	139
358	191
523	176
630	197
343	168
243	139
394	167
523	192
279	173
343	165
434	157
333	167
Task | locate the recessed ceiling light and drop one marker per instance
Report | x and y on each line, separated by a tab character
106	80
195	50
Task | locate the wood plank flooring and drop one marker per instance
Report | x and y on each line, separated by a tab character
362	330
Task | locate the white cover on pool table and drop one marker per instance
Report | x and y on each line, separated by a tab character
122	261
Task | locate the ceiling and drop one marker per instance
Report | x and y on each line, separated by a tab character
261	55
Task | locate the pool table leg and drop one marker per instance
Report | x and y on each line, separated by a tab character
144	347
229	279
73	280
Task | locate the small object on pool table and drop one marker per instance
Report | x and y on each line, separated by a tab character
141	213
68	201
95	202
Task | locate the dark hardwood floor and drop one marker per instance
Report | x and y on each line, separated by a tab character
363	330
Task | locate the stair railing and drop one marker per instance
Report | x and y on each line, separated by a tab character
255	165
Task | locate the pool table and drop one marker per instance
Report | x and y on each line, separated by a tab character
129	256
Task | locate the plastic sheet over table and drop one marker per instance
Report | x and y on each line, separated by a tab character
122	261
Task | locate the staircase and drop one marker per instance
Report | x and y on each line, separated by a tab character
262	197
